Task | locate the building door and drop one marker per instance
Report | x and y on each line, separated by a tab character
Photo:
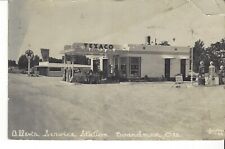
96	65
183	67
105	68
123	67
167	69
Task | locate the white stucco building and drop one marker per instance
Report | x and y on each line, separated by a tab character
132	60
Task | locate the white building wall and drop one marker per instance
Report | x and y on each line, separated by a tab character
56	73
174	67
153	65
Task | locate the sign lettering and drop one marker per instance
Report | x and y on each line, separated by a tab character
98	46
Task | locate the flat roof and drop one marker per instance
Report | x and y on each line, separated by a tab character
61	65
85	48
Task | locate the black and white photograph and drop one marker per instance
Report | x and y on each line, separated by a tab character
116	69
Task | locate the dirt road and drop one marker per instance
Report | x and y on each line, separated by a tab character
47	108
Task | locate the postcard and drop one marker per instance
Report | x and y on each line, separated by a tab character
116	70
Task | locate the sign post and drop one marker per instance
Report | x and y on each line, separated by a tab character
29	55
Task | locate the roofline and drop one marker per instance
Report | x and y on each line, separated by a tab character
126	48
132	44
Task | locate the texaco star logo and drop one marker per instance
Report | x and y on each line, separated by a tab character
29	54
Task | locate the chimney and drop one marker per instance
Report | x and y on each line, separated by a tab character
45	55
63	59
148	40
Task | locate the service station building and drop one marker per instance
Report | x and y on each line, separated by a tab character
131	61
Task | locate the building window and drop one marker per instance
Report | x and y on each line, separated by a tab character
123	66
54	69
135	66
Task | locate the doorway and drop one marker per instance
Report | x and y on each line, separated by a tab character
183	67
105	68
167	69
96	65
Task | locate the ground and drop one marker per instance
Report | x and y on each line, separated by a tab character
113	111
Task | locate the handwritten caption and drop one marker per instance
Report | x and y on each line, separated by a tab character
94	134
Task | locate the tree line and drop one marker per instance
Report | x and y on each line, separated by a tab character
212	53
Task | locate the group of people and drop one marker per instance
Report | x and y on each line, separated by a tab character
211	76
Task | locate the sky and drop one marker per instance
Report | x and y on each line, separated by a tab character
35	24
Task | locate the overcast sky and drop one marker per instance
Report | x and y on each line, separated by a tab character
36	24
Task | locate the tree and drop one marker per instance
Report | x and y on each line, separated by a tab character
35	61
211	53
54	60
216	53
23	62
164	43
199	54
12	63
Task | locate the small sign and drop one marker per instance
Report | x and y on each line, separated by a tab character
179	79
29	54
